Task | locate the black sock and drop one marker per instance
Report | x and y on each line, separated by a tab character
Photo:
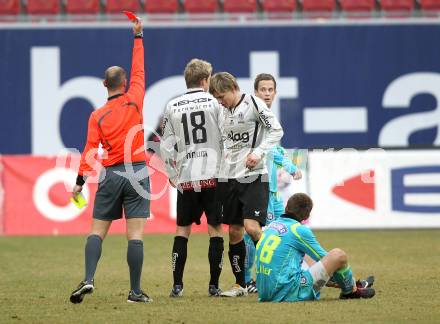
92	254
135	259
215	256
237	254
178	258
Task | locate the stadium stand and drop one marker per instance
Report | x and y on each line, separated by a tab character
358	5
200	6
10	7
82	7
43	7
116	6
431	5
397	5
233	6
15	10
318	5
278	5
161	6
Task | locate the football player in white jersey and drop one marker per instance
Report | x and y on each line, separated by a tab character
191	148
250	131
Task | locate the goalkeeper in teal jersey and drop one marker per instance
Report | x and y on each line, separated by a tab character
265	88
281	250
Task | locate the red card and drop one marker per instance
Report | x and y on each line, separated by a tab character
131	16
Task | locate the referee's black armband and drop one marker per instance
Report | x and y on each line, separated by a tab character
80	181
139	35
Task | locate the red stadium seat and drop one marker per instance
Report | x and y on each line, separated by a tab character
161	6
357	5
200	6
10	7
116	6
240	5
82	6
43	7
430	4
278	5
319	5
397	5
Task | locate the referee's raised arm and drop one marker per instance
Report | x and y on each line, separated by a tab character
137	77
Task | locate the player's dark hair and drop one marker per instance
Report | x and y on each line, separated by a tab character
264	77
114	77
299	207
196	71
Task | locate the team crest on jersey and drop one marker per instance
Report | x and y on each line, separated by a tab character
303	281
241	118
270	217
279	227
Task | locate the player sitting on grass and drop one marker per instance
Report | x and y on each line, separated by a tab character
281	251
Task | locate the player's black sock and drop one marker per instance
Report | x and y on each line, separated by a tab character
237	254
178	258
215	256
135	259
92	254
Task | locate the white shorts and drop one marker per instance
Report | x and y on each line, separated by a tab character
319	275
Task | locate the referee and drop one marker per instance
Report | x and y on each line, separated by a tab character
117	126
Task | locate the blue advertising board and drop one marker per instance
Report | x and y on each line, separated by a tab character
345	85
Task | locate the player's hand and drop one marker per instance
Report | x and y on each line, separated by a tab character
297	175
76	190
137	28
252	160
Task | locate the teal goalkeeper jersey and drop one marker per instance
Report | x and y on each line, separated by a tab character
279	255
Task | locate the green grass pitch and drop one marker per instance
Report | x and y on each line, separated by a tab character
37	275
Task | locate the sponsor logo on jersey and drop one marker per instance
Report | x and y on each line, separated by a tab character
265	120
196	101
239	137
279	227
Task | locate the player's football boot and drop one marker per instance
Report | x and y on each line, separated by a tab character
365	283
251	287
141	298
177	291
213	291
83	288
235	291
359	293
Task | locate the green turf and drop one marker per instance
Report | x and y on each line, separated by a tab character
37	275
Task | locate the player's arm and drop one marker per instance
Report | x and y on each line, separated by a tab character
307	242
281	159
167	150
274	131
89	155
137	76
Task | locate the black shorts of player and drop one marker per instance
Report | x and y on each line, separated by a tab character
192	203
123	187
244	198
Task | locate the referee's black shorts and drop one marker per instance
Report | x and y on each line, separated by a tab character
244	198
191	203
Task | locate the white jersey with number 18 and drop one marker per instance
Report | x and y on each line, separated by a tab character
191	146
